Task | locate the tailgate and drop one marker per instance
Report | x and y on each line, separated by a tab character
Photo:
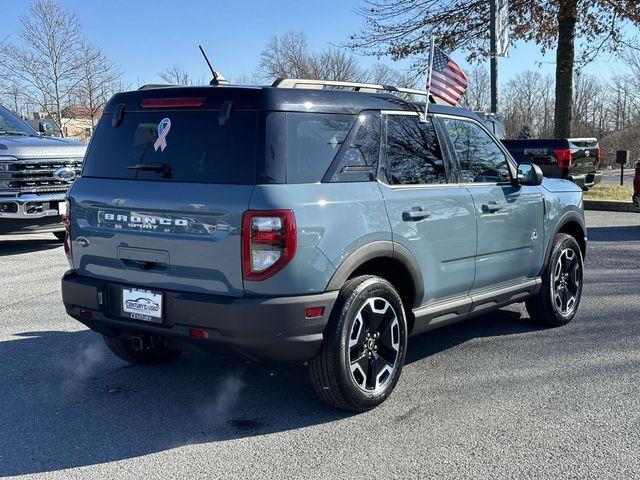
172	235
585	154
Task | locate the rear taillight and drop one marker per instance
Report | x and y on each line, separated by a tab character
66	220
564	157
268	242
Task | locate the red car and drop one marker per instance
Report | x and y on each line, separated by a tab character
636	186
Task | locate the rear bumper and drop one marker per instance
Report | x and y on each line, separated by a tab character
266	329
586	180
30	214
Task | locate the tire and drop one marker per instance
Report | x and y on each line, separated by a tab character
354	371
152	355
561	281
60	235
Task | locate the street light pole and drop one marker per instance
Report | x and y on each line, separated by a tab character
493	55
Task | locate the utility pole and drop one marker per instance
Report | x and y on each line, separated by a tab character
494	55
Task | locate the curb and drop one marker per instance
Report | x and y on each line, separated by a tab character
610	206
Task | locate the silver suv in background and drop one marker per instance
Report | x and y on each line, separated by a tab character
35	173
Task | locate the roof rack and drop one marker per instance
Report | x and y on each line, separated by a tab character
356	86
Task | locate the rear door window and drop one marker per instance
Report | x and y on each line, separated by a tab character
198	149
313	140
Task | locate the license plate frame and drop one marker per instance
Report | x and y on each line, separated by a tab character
142	304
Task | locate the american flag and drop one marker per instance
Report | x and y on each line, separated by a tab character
448	81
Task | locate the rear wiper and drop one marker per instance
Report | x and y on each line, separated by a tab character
163	168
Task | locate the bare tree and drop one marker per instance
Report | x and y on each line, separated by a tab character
46	63
12	98
176	76
289	56
478	95
98	77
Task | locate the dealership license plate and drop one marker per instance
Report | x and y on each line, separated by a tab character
142	304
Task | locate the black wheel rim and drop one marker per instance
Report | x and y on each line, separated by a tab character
567	282
374	345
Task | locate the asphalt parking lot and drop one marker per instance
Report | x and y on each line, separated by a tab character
493	397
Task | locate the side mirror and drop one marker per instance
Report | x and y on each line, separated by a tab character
45	128
529	174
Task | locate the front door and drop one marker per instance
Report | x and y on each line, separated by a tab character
509	216
429	215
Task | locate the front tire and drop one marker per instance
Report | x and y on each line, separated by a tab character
149	355
363	352
557	302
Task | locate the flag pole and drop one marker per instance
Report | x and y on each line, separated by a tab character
432	47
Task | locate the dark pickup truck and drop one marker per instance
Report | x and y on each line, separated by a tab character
575	159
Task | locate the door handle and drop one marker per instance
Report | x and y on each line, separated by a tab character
415	215
491	207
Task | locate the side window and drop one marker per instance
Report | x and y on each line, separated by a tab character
413	152
480	158
360	158
313	140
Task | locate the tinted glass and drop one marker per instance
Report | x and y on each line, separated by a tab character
360	159
312	143
481	160
197	148
413	152
10	124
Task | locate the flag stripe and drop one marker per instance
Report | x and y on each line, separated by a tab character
448	84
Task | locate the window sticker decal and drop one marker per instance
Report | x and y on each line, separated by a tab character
163	130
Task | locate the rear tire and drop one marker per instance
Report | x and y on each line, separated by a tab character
60	235
364	347
155	355
559	298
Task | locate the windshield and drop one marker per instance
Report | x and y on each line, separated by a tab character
12	125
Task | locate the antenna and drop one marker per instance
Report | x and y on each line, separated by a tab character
214	80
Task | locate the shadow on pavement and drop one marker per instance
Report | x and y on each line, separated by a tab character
68	402
13	247
614	234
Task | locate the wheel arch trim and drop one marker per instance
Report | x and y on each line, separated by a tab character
375	250
565	219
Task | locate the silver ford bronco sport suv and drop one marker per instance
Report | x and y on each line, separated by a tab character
306	223
35	173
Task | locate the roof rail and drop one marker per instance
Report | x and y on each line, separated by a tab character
150	86
356	86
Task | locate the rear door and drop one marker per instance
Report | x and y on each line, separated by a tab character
430	214
165	210
509	216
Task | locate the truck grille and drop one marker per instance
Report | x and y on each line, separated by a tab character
39	176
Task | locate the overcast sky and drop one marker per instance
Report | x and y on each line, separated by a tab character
144	37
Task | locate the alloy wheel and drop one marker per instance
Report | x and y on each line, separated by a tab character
567	281
374	345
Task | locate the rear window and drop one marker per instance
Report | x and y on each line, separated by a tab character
197	149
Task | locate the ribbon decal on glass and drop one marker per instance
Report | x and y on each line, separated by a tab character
163	130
